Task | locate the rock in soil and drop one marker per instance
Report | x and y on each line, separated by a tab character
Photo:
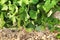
57	15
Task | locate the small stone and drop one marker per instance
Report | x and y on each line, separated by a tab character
57	15
44	37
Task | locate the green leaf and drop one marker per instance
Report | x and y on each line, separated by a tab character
51	27
3	1
27	17
50	5
12	7
58	36
58	29
5	7
29	29
38	6
2	22
1	6
49	14
14	20
40	28
26	1
47	3
23	2
37	28
33	14
21	9
34	1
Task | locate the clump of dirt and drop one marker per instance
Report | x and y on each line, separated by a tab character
57	15
8	34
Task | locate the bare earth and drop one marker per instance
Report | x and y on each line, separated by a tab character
7	34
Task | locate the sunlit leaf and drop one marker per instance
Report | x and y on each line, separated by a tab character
14	20
34	1
2	22
12	7
49	14
3	1
26	1
29	29
5	7
49	4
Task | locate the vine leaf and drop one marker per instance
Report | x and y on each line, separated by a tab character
33	14
34	1
3	1
49	4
